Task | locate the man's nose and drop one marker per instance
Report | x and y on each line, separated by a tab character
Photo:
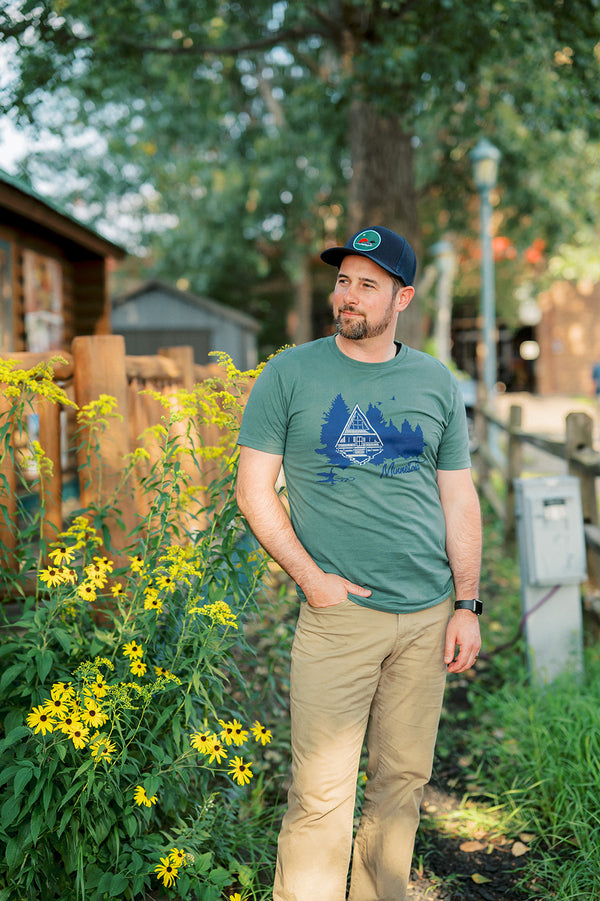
349	295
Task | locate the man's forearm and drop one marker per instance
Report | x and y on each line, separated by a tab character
270	523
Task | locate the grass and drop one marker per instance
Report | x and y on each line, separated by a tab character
531	754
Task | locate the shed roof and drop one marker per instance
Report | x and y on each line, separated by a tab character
24	203
195	300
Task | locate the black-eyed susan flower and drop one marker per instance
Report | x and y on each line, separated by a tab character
65	723
261	733
136	563
227	732
87	591
202	741
40	720
98	687
96	575
138	667
240	735
167	871
58	707
62	690
102	748
133	649
62	555
166	583
93	715
69	576
217	751
79	734
117	590
240	771
51	576
141	798
178	857
152	600
161	671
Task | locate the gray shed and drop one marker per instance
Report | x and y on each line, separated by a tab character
159	315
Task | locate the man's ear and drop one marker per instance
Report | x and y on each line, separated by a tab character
404	297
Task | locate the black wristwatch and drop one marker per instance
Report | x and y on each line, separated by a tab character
475	606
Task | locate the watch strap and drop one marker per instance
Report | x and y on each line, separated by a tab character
474	605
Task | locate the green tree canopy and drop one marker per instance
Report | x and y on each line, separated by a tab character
233	140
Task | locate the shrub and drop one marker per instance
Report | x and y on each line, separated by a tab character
124	760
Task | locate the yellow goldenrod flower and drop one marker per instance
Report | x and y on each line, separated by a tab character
141	798
202	741
261	733
133	649
240	735
138	667
40	720
78	734
240	771
62	555
167	871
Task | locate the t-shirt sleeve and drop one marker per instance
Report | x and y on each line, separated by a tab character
453	452
264	423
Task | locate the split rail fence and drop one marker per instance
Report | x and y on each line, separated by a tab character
496	473
95	366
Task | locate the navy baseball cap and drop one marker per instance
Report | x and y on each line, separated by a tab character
390	251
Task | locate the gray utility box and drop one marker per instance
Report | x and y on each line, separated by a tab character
551	543
549	514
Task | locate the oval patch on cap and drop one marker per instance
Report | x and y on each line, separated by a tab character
367	240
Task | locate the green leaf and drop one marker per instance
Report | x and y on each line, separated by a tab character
21	779
63	639
10	674
118	884
44	664
37	820
14	736
10	811
13	853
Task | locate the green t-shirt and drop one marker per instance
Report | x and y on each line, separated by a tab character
361	444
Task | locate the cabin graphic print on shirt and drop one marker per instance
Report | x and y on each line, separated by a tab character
352	435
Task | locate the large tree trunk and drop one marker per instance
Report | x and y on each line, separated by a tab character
382	190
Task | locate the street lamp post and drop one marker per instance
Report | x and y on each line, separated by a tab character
485	158
445	261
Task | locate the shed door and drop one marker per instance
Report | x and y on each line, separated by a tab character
148	341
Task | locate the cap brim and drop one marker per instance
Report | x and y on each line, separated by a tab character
334	255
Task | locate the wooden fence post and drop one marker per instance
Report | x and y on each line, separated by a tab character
514	465
49	436
100	369
579	436
8	494
184	357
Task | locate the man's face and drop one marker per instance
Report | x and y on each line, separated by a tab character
364	305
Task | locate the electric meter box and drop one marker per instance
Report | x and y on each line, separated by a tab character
550	530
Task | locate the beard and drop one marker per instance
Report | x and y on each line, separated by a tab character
357	329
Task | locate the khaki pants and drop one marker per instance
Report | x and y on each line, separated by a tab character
357	670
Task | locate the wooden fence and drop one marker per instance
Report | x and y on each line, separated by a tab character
95	366
496	471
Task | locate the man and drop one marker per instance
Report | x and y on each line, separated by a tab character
384	520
